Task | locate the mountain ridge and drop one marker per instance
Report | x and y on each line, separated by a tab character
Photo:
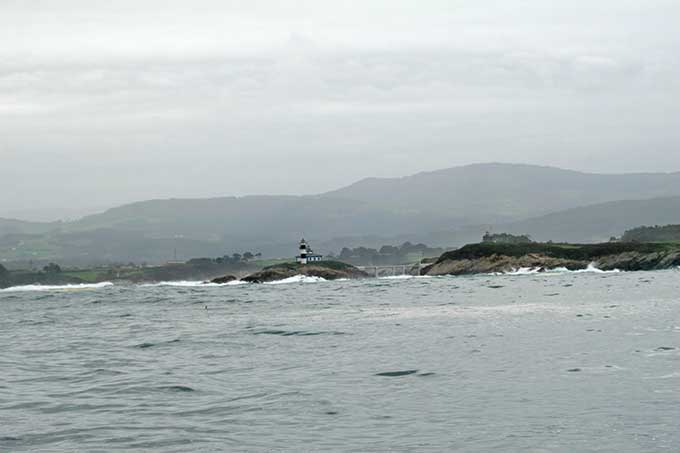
437	207
415	176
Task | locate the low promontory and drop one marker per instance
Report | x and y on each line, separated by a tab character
487	258
328	270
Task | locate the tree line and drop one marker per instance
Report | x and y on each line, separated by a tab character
387	254
656	233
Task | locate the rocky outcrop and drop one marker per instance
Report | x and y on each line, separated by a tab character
484	258
328	270
500	264
635	261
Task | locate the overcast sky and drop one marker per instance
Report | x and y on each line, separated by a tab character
105	102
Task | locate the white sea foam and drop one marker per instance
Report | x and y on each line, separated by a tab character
560	270
674	375
591	269
82	286
472	311
297	279
525	271
193	284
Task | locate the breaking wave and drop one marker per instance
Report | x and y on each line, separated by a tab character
297	279
73	287
591	269
193	284
523	271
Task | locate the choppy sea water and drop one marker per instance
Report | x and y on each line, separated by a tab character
546	363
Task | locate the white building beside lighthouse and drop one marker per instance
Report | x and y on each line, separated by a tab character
307	255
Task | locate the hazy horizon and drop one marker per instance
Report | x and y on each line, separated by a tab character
75	213
103	104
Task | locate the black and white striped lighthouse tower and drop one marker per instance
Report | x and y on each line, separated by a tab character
302	258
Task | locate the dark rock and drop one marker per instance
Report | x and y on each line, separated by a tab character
223	280
328	270
500	258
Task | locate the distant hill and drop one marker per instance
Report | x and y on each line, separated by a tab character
13	226
459	203
499	193
594	223
254	218
601	221
655	233
153	230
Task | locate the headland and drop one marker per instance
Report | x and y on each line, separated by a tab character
487	258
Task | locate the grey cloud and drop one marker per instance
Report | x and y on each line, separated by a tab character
108	102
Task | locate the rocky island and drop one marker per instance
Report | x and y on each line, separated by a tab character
500	258
328	270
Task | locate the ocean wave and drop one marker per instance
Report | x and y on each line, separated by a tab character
297	279
591	269
192	284
292	333
72	287
524	271
403	277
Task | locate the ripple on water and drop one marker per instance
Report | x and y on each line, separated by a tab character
177	388
148	390
295	333
245	378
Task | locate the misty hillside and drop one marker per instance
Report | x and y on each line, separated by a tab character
594	223
601	221
13	226
446	199
459	203
260	218
496	193
151	231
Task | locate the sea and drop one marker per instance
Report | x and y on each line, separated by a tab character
523	362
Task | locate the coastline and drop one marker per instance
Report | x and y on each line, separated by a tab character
472	259
506	258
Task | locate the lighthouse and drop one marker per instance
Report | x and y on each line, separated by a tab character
306	255
302	258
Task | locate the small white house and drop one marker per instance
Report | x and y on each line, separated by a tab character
307	255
